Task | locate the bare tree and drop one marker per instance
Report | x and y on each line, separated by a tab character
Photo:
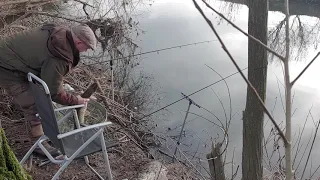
288	83
252	152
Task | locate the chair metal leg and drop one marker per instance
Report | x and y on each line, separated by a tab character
34	146
77	123
75	154
46	152
105	155
48	161
76	120
86	159
93	170
61	169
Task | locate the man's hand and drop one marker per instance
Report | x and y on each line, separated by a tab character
82	100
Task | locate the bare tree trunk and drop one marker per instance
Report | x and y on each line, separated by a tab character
289	173
252	168
216	163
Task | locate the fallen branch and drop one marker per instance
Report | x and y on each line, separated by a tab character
133	140
170	156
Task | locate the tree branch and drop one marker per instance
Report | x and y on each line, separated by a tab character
56	16
7	3
292	83
241	73
248	35
84	3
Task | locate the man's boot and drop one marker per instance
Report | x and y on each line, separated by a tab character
37	132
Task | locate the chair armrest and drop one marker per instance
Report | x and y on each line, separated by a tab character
69	107
100	125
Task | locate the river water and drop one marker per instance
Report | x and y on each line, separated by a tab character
175	22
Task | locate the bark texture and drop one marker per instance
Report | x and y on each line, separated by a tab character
253	116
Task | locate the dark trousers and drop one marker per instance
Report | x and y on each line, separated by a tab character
16	85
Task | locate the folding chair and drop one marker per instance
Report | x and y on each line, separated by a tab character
77	143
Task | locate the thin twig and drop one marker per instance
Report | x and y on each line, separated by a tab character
192	164
302	157
311	148
56	16
221	103
235	174
314	172
7	3
281	99
292	83
221	127
229	94
225	133
232	162
241	73
299	138
84	3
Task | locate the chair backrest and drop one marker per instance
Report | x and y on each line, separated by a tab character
45	109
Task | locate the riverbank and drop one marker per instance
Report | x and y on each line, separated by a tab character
128	157
124	103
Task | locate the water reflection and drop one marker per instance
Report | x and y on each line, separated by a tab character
169	23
